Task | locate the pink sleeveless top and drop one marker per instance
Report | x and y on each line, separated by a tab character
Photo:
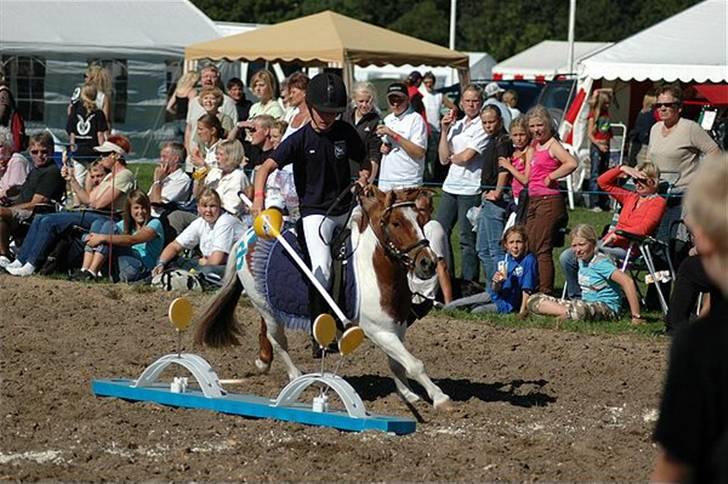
541	165
520	165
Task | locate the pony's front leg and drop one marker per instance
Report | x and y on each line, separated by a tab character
279	342
400	381
394	348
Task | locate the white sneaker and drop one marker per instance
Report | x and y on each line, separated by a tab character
26	270
4	261
14	264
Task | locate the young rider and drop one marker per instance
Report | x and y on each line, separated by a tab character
320	153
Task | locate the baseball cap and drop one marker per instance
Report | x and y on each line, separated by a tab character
109	147
397	89
492	89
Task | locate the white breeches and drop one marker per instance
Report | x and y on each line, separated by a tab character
317	241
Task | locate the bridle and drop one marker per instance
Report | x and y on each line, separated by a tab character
401	255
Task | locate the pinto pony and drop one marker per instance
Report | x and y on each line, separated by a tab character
387	243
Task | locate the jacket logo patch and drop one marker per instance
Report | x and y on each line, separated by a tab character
340	149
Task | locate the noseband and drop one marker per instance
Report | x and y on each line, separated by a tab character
401	255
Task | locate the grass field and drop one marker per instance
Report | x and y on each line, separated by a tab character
580	215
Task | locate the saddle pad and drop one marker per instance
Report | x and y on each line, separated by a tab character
285	288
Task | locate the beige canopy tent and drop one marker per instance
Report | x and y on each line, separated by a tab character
328	39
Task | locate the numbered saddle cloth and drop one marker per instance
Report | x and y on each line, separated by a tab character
285	288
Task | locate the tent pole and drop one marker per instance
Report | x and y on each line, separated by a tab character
572	21
453	20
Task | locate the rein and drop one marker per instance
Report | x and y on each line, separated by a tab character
400	255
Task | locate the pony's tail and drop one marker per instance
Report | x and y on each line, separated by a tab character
217	326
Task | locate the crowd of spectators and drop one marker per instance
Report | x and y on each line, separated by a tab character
501	186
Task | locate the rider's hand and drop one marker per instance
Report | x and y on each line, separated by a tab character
363	180
257	206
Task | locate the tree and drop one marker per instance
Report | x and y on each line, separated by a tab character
501	28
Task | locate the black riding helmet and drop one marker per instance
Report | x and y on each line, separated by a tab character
326	93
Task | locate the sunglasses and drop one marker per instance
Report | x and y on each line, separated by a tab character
667	105
38	152
645	182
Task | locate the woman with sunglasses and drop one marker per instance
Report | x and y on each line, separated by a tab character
103	200
642	210
676	146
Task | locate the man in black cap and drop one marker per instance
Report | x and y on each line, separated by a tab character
320	153
404	142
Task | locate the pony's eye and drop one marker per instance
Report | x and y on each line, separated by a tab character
395	225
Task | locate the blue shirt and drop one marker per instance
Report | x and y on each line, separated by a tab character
595	280
521	275
148	252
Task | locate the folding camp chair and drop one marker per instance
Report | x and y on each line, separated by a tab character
640	258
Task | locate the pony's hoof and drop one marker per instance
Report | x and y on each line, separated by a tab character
262	366
410	397
446	405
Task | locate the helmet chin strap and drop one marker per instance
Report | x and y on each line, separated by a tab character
317	114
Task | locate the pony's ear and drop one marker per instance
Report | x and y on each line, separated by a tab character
411	194
390	198
369	197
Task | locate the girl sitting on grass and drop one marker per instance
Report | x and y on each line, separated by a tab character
138	240
513	281
602	285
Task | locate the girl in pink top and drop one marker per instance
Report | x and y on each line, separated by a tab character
548	162
517	165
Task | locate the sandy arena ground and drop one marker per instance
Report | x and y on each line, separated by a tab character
531	403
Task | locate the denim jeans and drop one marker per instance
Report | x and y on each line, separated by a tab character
599	162
100	226
452	210
477	303
491	222
570	265
128	267
46	229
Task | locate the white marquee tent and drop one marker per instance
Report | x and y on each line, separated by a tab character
45	46
545	60
689	46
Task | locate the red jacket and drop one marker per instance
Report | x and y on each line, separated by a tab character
642	220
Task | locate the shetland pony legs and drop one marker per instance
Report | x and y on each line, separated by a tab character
276	336
391	344
400	381
265	353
